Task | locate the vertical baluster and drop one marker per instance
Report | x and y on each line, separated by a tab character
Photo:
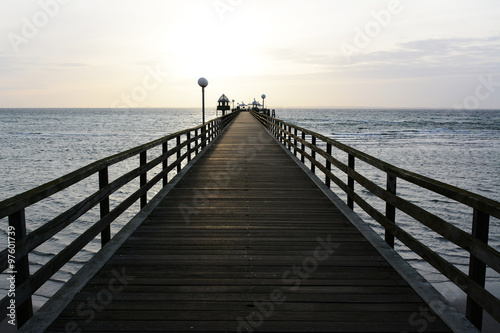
350	182
208	133
17	224
313	154
196	141
390	210
289	135
281	133
165	162
104	205
477	269
188	137
143	178
295	141
204	136
303	147
178	142
284	134
328	163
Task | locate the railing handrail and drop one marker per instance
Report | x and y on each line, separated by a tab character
14	208
463	196
476	243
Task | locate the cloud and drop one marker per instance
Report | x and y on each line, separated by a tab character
10	64
428	58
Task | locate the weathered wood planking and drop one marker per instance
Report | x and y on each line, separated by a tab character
247	242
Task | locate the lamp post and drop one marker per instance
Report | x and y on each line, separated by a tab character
263	98
202	82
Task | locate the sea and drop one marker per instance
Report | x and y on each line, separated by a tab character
458	147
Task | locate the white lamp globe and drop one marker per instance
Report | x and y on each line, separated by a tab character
202	82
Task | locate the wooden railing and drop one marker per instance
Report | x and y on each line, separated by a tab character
307	144
181	146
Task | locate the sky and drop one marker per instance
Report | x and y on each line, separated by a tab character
314	53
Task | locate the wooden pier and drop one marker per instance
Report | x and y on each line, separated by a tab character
244	239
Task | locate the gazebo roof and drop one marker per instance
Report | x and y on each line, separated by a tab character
223	98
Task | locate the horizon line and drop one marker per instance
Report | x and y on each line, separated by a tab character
277	107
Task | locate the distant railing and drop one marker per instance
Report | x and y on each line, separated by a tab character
181	145
476	243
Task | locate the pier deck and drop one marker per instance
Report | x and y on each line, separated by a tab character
246	241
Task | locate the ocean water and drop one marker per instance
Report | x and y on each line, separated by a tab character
461	148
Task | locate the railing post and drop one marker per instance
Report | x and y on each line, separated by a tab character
289	130
204	136
143	178
390	210
328	163
295	141
477	269
285	127
350	181
208	137
303	147
280	132
104	205
188	137
313	153
196	141
178	142
165	162
286	136
283	134
21	271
